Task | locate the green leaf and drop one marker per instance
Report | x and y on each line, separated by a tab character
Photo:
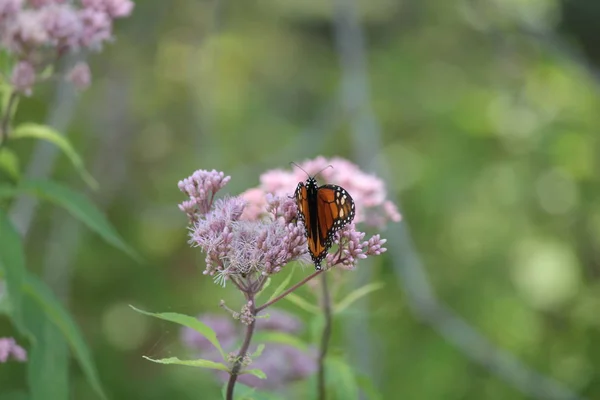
38	313
43	132
265	286
300	302
191	363
256	372
340	379
15	395
240	392
356	295
281	338
76	204
282	285
259	350
368	388
190	322
9	163
39	293
48	358
12	264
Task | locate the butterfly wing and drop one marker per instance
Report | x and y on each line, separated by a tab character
335	209
301	196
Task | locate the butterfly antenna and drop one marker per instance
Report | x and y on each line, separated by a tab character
302	169
329	166
307	174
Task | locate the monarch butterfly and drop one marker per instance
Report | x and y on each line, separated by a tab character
324	210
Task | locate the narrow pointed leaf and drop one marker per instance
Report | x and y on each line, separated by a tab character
282	286
43	132
300	302
12	265
76	204
38	292
9	163
190	363
357	294
265	286
259	350
190	322
340	379
281	338
256	372
48	357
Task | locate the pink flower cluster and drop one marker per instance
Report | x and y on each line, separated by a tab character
8	348
367	190
352	248
283	364
39	32
234	246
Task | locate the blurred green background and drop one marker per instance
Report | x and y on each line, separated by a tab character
482	116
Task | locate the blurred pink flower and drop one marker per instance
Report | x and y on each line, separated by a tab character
256	204
9	347
23	77
40	32
80	75
97	28
62	25
367	190
9	8
114	8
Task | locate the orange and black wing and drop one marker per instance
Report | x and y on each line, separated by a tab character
301	196
335	209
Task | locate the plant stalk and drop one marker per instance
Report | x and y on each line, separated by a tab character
325	337
8	112
237	365
290	290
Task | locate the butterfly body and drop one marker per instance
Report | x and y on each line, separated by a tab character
324	210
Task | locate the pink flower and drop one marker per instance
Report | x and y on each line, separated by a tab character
62	24
9	8
257	204
23	77
42	3
9	347
367	190
25	31
80	75
97	28
114	8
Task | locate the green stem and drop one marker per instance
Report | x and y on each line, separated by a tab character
237	365
7	117
325	337
290	290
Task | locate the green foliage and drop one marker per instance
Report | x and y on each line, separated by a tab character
259	350
43	132
243	392
256	372
281	338
9	163
283	285
190	322
77	204
302	303
44	302
12	262
38	314
356	295
191	363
